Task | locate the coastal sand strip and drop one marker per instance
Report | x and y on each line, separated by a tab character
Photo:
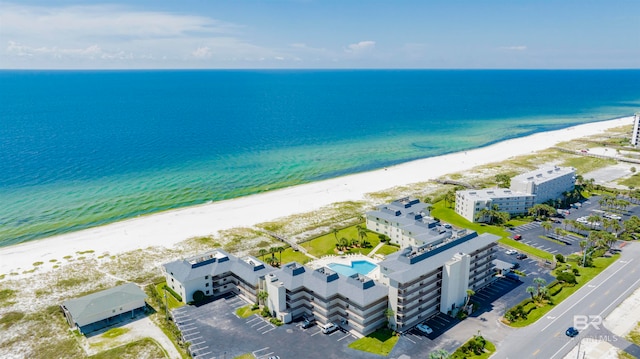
168	228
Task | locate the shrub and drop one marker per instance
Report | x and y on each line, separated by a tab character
173	293
265	312
560	258
567	277
275	321
576	272
198	296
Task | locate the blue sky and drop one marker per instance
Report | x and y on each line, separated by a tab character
470	34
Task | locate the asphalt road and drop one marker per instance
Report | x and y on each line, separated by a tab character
546	338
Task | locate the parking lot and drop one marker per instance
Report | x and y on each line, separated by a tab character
215	331
533	234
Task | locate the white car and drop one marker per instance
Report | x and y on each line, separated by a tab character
511	251
424	328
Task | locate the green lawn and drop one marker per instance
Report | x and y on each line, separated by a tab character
460	354
289	255
172	302
326	243
380	342
246	311
586	274
387	249
631	181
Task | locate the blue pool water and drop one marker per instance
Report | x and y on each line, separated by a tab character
362	267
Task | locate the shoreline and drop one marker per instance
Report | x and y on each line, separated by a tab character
171	227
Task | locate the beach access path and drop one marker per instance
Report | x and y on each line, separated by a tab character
171	227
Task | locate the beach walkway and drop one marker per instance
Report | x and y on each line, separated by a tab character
292	243
374	250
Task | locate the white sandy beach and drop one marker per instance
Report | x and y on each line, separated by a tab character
168	228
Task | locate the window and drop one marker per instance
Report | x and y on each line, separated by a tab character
206	277
207	292
206	285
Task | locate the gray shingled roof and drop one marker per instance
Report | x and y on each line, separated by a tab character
184	271
402	272
88	306
361	291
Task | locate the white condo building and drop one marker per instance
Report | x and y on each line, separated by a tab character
635	136
416	283
545	183
469	203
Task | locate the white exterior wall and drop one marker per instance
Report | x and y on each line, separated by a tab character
635	136
187	289
545	183
391	230
469	203
277	298
455	282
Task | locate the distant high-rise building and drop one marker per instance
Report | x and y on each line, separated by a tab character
635	136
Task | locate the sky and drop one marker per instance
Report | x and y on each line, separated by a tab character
323	34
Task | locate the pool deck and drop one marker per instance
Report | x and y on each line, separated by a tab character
346	259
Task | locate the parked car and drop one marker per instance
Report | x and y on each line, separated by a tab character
572	332
511	251
424	328
307	322
328	328
521	256
515	265
517	237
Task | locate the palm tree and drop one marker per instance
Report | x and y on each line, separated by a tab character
470	293
280	250
481	215
546	226
262	253
343	243
558	231
531	289
273	251
335	233
539	282
362	234
389	314
262	296
450	198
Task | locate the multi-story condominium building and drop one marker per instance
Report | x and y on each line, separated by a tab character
407	223
545	183
357	303
215	274
470	203
415	283
423	281
635	135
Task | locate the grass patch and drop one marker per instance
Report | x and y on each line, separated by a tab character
461	354
552	240
524	248
245	356
10	318
634	335
624	355
247	311
86	252
631	181
584	164
70	282
115	332
146	348
380	342
172	301
53	260
6	295
326	243
35	264
387	249
289	255
586	274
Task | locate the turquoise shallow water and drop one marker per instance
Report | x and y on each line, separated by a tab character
81	148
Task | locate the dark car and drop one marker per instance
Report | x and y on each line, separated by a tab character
515	265
307	323
572	332
521	256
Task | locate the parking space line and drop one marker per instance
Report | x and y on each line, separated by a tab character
410	340
252	319
345	337
259	350
188	329
316	333
202	342
267	331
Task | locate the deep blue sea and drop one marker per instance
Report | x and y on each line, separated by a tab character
85	148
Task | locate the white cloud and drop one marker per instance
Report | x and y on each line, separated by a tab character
514	48
202	52
360	47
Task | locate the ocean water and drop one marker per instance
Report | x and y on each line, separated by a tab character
84	148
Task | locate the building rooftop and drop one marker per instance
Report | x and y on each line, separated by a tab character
85	309
491	193
214	263
543	174
412	262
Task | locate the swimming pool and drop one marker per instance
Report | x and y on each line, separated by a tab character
361	267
